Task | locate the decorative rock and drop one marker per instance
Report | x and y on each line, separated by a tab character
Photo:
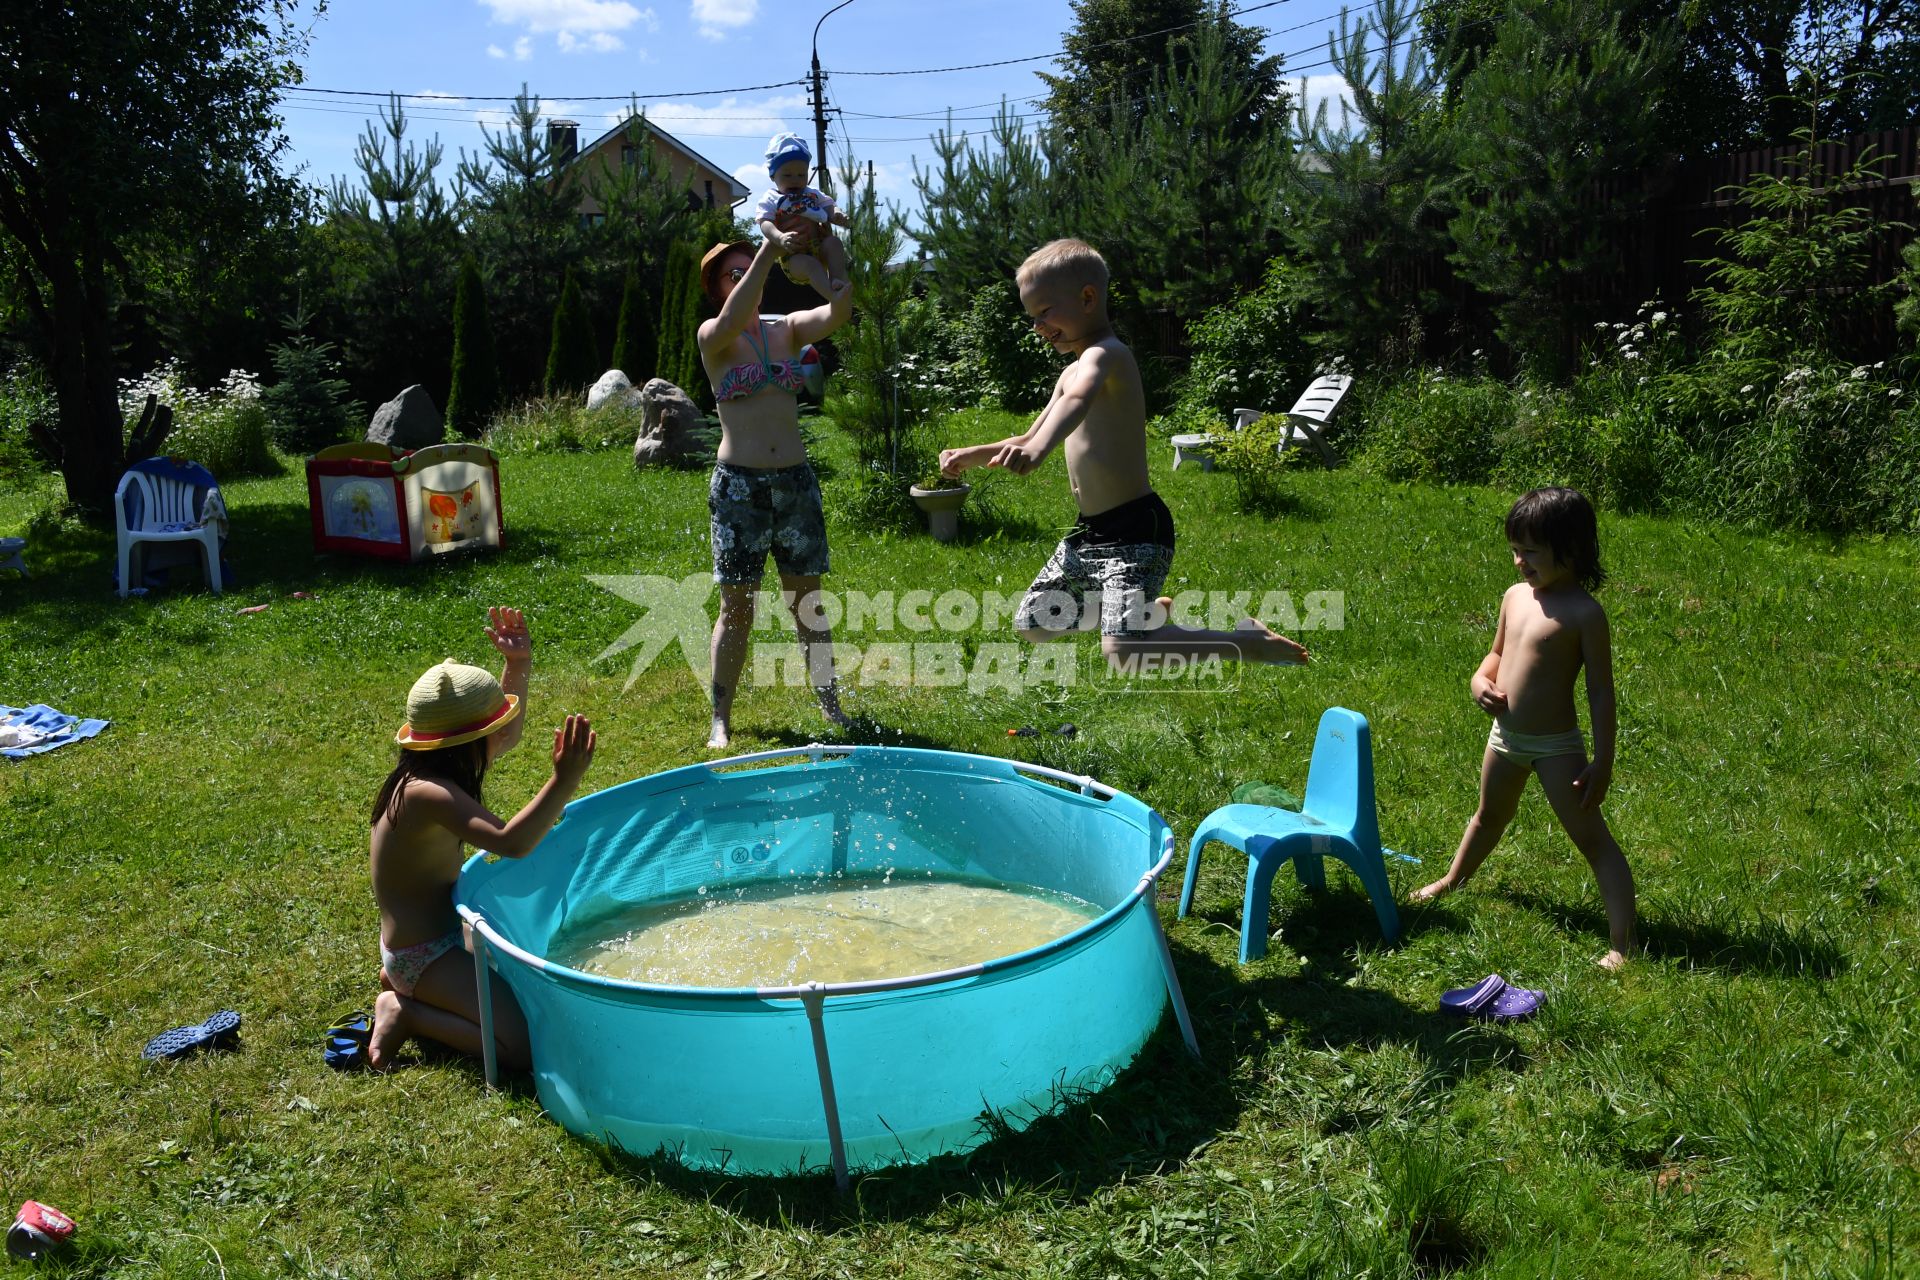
670	424
408	421
612	389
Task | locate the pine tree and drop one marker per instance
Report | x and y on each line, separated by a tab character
475	390
635	352
1371	196
521	216
1559	113
573	359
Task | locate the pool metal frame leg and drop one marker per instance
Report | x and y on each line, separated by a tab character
483	986
814	998
1174	994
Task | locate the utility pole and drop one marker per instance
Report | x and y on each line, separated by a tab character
822	171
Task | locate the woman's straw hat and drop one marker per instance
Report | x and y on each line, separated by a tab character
710	264
454	703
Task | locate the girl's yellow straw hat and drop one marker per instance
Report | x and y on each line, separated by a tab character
454	703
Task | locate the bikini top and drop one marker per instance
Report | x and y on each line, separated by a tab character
744	380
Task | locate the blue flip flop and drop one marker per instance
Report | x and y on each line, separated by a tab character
1473	1001
221	1031
347	1038
1493	999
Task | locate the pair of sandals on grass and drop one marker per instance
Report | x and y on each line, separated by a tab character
345	1046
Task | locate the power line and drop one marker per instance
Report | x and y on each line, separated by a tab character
1040	57
572	97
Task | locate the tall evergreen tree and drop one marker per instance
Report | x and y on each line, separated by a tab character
985	207
1187	196
673	337
394	281
686	371
1561	104
1116	48
1370	197
523	225
573	357
634	348
475	390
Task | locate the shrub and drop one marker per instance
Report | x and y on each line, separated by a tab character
1252	457
870	498
1011	366
562	424
1432	427
224	430
1250	352
25	402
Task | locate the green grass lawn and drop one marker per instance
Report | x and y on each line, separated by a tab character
1745	1101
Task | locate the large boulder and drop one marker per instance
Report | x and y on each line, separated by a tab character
408	421
613	389
671	427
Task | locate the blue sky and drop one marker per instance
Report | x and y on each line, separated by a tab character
676	53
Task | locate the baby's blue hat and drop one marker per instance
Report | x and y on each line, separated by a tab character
784	147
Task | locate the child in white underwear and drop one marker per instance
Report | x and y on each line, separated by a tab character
459	720
1550	627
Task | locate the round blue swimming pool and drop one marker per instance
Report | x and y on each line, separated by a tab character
848	1075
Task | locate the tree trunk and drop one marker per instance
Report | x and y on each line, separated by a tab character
82	366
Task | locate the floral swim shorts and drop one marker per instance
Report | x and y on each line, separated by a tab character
1124	554
754	512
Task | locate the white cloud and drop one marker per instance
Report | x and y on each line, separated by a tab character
575	16
753	177
733	118
715	18
522	49
1330	89
598	42
495	51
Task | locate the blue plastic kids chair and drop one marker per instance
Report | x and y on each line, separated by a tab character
1337	821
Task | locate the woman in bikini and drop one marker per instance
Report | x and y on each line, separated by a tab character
764	496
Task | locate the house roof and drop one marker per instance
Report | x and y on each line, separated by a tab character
738	190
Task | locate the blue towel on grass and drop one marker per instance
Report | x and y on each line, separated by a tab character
59	728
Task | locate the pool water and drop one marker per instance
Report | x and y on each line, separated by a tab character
820	929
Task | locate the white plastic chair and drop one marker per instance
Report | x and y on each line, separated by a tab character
159	501
1309	416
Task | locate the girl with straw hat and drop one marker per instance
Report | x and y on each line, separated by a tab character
459	720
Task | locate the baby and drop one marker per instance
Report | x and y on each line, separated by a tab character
1550	627
797	217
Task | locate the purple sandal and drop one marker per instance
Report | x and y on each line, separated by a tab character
1492	999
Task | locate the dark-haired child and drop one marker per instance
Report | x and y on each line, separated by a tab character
1550	627
459	720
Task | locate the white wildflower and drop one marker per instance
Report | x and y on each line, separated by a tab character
1860	371
1659	317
